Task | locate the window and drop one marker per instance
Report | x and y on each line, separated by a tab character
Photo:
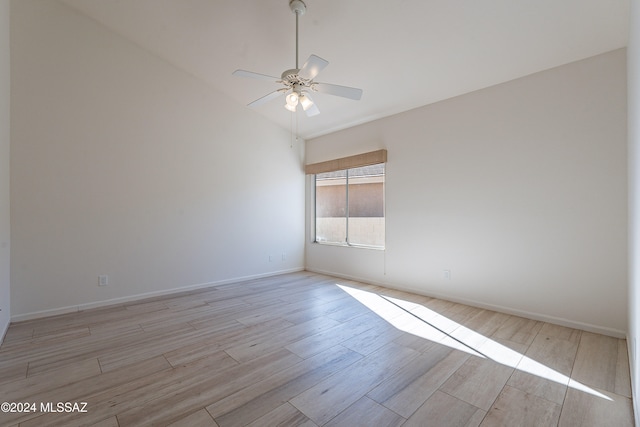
350	206
349	200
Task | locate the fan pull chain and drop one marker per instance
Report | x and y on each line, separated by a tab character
291	127
294	131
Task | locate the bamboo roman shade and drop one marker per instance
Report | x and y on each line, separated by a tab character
359	160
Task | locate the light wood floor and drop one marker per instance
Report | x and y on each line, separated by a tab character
300	350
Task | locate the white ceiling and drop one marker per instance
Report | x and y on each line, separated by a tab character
402	53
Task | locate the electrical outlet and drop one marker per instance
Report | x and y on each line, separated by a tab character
446	274
103	280
284	256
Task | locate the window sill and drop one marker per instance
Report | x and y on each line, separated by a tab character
350	245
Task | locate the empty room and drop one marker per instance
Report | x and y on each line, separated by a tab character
319	213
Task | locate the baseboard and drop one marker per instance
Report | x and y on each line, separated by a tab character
507	310
4	332
136	297
632	373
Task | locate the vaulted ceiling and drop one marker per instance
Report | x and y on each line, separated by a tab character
402	53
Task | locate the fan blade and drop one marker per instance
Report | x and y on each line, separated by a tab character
266	98
312	67
343	91
309	107
252	75
312	111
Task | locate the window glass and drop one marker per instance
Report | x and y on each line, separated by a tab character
366	206
350	206
331	207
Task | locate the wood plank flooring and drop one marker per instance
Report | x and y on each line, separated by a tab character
305	349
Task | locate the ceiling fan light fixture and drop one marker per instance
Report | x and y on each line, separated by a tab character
306	102
292	99
291	108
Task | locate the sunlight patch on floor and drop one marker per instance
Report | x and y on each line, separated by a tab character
423	322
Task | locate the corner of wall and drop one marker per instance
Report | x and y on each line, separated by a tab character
5	88
633	109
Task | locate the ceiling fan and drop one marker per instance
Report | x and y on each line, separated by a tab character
298	82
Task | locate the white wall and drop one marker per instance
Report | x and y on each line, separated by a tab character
123	165
633	72
5	84
518	189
